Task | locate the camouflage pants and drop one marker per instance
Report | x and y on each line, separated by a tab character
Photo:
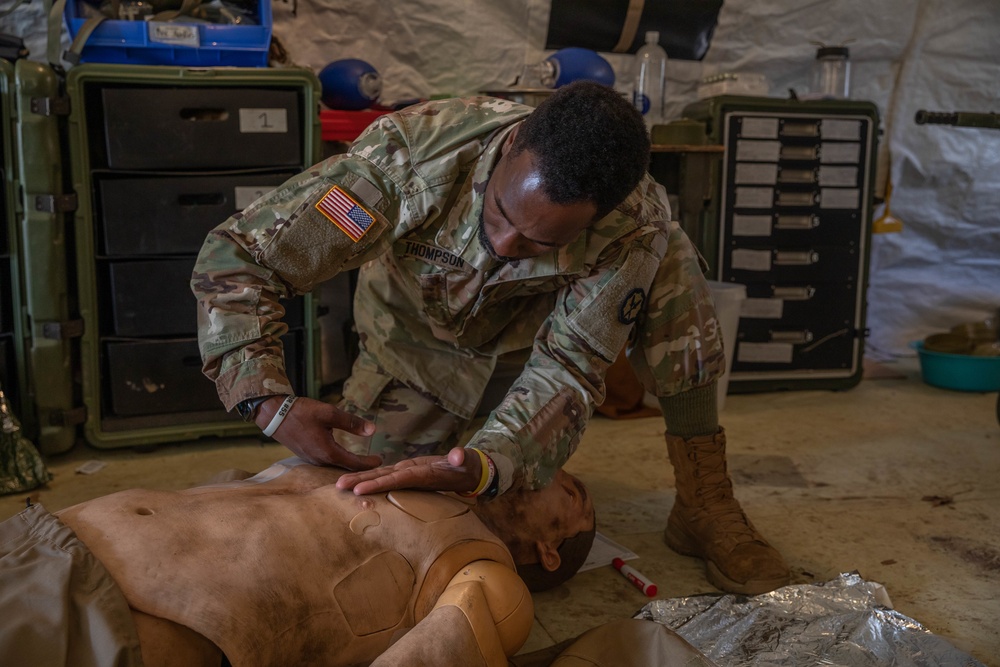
408	423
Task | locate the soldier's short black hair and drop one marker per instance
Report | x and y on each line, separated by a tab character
589	144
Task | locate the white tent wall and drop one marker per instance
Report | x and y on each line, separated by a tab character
942	269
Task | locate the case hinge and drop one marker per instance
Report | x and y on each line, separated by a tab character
62	330
50	106
56	203
71	417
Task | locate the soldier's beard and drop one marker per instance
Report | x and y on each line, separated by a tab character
484	240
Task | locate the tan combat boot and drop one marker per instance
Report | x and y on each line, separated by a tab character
708	522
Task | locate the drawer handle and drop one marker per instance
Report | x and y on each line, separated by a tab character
203	114
793	293
207	199
797	337
797	222
796	257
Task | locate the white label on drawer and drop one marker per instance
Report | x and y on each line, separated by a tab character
751	225
248	194
756	174
840	129
754	197
263	120
764	353
178	34
752	260
763	309
759	128
839	198
838	176
831	153
757	151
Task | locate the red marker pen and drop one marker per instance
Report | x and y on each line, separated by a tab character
641	582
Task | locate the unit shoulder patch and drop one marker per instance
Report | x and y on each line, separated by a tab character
345	213
631	306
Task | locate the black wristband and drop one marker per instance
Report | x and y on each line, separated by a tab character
248	408
490	492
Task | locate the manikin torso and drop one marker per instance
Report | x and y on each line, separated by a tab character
284	568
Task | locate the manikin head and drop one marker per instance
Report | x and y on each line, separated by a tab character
567	165
549	532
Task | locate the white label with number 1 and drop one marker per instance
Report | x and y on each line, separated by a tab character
263	120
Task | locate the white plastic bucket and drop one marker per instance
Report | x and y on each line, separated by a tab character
728	298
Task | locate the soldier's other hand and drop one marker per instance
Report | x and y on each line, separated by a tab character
306	431
458	471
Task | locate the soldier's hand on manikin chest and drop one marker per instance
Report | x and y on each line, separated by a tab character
459	471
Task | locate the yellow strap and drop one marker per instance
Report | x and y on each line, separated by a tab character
629	26
484	476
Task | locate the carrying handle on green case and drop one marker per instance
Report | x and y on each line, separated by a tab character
72	54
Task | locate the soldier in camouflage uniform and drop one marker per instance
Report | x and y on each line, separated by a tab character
481	230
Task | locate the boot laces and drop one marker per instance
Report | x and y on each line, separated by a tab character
715	490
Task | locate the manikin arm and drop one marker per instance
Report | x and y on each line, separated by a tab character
481	618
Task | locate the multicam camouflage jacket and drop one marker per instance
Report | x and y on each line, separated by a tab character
435	310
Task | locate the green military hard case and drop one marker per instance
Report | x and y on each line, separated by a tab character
33	187
133	129
786	210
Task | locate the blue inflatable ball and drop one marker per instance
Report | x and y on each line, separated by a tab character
350	84
576	64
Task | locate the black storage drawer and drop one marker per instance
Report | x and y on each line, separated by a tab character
166	215
781	347
791	265
157	377
825	304
798	228
153	298
164	376
201	128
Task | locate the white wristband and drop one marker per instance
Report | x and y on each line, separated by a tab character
280	415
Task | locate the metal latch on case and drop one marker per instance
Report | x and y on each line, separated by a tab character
56	203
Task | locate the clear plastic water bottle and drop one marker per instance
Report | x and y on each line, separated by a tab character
650	77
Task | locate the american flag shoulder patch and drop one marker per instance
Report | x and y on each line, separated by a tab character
348	215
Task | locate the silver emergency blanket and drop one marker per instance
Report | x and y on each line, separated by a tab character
845	622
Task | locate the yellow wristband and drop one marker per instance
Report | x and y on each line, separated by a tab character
484	477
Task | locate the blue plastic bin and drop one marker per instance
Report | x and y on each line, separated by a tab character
961	372
149	42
